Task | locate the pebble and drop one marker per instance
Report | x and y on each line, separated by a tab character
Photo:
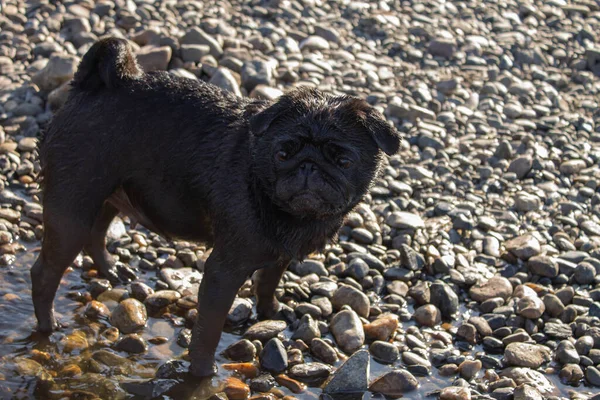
242	350
382	328
428	315
384	352
348	331
455	393
352	376
348	295
129	316
265	330
273	357
496	286
526	355
394	383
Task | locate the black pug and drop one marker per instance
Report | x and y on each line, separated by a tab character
263	182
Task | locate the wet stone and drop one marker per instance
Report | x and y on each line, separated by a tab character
384	352
428	315
242	350
382	328
492	288
265	330
394	383
129	316
348	295
348	331
310	372
469	369
132	343
526	355
240	311
352	376
263	383
543	266
273	357
323	351
307	329
444	298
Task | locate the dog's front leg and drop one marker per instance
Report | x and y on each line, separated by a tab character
223	276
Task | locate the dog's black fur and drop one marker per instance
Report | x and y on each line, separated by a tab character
263	182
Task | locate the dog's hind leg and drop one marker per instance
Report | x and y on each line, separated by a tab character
96	245
70	209
64	237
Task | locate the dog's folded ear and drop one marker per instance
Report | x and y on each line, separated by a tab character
260	122
385	135
298	101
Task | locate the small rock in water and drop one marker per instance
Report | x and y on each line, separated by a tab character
394	383
132	343
273	357
527	355
348	295
352	376
455	393
265	330
428	315
129	316
382	328
347	330
444	298
307	329
242	350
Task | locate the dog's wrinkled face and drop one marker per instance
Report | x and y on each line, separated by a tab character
316	156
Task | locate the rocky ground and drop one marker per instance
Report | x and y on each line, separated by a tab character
472	270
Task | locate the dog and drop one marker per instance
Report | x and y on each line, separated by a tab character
262	182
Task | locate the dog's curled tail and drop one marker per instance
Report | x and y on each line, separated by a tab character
108	63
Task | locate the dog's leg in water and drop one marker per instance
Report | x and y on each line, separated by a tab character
63	239
96	246
222	279
266	282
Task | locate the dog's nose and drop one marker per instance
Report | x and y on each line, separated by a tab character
307	168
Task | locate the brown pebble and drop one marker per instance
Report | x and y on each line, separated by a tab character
235	389
292	384
249	370
70	370
382	328
158	340
40	356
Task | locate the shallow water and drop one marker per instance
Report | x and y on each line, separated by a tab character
19	340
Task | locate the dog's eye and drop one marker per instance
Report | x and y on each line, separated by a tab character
281	155
344	163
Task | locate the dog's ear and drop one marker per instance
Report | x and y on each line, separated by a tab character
260	122
385	135
298	101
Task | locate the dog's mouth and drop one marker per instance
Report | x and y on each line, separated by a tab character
308	204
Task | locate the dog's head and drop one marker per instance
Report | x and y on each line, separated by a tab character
314	155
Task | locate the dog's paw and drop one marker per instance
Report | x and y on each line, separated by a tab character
50	325
268	310
112	274
202	369
125	273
